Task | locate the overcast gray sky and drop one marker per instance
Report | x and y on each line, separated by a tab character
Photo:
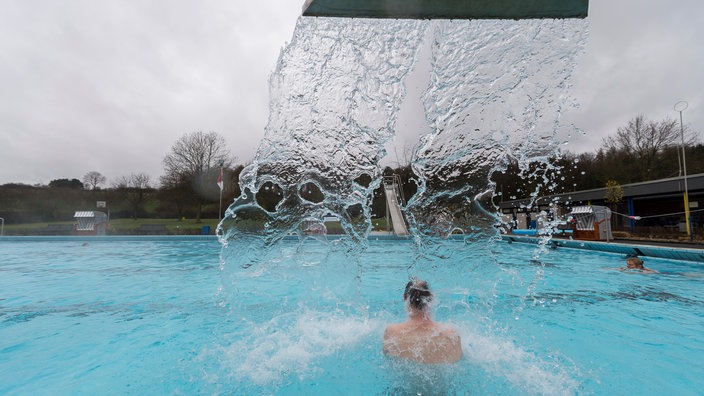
110	85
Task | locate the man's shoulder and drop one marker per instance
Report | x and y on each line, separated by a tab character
393	328
448	330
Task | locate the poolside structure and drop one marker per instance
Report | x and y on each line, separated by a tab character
447	9
90	222
646	207
591	222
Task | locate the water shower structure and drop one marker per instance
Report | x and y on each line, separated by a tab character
447	9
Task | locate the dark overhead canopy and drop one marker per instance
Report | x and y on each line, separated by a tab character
447	9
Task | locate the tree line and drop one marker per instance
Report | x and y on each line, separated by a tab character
639	151
189	188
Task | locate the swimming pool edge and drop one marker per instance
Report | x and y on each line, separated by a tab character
639	249
106	238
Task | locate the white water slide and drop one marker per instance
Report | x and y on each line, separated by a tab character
394	199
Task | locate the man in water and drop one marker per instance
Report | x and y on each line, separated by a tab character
419	338
635	263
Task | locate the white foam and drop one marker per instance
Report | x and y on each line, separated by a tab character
528	372
293	343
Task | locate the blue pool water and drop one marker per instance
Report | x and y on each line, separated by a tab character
163	316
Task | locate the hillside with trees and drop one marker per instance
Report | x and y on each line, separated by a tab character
639	151
188	188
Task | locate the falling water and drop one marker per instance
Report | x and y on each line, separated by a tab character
495	94
334	99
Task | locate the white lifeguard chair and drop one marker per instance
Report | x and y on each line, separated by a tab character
591	222
90	222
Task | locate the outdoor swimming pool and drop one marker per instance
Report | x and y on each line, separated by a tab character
157	316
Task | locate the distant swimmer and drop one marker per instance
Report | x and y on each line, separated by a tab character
636	264
419	338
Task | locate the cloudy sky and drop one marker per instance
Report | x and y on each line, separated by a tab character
110	85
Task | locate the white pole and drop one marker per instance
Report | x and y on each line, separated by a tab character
222	187
2	228
680	107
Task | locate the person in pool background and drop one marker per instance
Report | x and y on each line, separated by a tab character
635	263
419	338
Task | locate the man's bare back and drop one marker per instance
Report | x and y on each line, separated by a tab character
419	338
424	343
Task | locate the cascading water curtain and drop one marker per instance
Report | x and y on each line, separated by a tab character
496	92
335	94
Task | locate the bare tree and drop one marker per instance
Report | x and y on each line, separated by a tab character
406	156
195	159
642	140
93	179
137	189
135	180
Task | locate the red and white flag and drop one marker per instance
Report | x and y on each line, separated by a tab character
220	179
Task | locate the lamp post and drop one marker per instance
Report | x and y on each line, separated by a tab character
680	107
221	185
